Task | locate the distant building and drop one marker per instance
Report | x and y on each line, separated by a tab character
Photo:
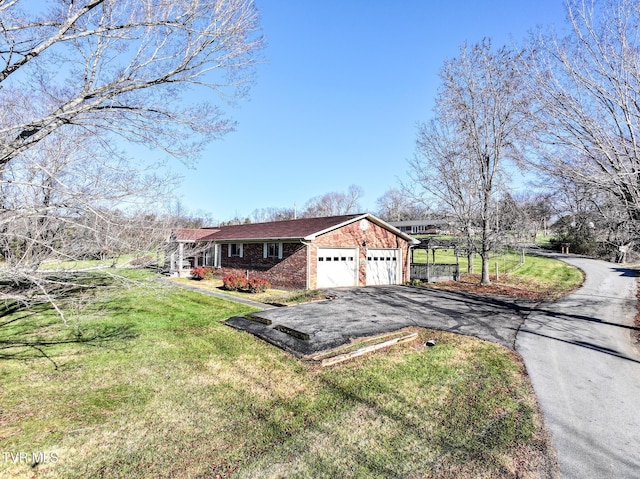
425	226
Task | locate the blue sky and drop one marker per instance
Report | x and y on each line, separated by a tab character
339	97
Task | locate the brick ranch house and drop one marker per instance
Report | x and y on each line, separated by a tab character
306	253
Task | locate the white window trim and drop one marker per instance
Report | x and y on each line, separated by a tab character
240	249
265	250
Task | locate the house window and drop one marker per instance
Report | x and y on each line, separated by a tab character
209	256
272	250
235	249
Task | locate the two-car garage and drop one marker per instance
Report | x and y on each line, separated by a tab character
339	266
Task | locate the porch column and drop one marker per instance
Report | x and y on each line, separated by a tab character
180	257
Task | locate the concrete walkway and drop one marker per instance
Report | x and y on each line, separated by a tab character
228	297
585	369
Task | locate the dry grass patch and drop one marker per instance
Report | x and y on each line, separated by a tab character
445	411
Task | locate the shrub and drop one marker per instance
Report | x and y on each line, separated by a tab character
238	282
235	282
580	243
258	285
202	273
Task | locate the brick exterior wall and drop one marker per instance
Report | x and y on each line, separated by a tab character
293	271
352	236
290	272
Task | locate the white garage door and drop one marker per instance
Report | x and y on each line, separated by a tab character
383	266
337	267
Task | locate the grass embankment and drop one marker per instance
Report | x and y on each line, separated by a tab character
539	277
150	383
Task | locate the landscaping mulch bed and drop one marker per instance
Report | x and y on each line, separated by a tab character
470	283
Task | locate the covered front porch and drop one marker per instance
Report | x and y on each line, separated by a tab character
185	256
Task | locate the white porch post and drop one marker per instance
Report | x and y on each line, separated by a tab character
180	257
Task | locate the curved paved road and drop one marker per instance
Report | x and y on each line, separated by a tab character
585	370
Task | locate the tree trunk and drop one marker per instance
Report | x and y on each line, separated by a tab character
485	267
484	254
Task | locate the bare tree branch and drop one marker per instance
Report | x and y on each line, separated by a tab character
122	67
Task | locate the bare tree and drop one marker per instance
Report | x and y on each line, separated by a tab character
77	78
180	216
398	205
478	121
592	221
262	215
442	175
121	67
62	201
586	87
533	210
334	203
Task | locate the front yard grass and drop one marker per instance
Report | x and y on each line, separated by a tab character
150	383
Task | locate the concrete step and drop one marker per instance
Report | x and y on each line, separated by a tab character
289	341
258	319
292	332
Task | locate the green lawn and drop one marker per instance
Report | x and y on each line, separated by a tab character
150	383
121	261
506	261
546	274
541	275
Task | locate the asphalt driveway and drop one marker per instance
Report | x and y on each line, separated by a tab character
359	312
579	351
585	368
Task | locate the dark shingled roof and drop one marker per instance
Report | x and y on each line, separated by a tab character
191	234
303	228
288	229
